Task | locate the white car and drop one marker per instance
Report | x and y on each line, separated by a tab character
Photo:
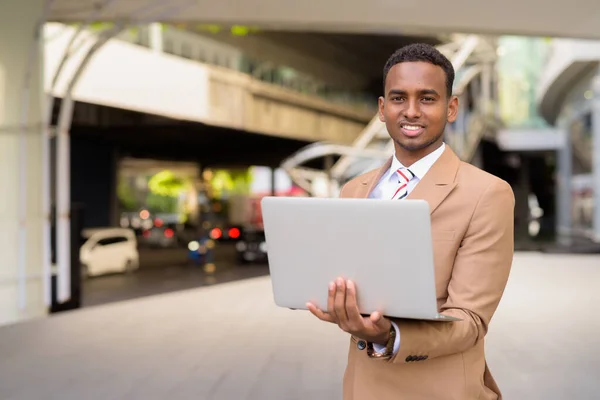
108	250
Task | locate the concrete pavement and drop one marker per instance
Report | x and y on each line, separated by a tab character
229	342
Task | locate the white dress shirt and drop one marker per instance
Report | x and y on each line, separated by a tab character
385	189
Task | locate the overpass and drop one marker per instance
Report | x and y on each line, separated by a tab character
177	88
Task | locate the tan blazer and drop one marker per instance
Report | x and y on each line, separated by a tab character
472	217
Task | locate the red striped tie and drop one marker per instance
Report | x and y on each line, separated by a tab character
405	175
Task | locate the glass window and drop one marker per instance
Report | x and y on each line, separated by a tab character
112	240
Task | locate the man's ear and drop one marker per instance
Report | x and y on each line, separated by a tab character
452	109
381	106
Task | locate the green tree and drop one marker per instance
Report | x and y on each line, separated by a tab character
126	196
165	183
165	189
162	204
228	182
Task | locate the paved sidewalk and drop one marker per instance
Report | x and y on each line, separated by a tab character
229	342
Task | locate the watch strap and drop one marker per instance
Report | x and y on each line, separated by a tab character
389	347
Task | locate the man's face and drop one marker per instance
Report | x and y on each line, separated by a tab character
415	108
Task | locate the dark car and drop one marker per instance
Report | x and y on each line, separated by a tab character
252	247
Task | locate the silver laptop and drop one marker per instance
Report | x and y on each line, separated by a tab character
384	246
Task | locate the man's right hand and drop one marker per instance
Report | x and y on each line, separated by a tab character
342	309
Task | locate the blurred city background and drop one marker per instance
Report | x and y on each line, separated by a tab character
138	137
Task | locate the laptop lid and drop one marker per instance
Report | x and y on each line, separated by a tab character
384	246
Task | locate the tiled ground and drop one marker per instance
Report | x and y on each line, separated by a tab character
228	342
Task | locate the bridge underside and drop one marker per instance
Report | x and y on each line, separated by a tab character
351	61
575	18
140	135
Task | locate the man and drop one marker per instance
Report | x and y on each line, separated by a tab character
472	231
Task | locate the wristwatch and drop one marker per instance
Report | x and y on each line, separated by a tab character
389	347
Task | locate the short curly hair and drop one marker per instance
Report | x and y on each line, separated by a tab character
421	52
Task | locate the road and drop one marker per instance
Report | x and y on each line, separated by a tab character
163	271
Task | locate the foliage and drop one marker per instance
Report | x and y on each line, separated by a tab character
228	182
161	204
165	183
126	196
101	26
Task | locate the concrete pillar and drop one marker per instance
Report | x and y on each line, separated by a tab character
477	158
273	181
155	32
596	156
486	87
564	175
521	191
21	177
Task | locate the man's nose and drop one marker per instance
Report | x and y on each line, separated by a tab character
412	110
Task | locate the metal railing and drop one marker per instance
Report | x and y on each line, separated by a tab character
186	44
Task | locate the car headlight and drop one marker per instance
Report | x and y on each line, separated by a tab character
194	246
263	247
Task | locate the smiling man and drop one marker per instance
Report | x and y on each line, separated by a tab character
472	216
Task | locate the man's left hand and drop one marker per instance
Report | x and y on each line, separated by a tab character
342	309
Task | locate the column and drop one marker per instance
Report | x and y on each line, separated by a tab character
486	87
564	174
521	191
155	32
21	216
273	181
596	155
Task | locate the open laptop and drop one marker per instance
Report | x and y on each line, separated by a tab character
384	246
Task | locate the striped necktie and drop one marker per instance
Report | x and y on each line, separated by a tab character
404	176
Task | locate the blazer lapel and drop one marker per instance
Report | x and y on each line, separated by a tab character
439	181
370	181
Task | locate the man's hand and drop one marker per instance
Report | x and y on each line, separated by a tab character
342	309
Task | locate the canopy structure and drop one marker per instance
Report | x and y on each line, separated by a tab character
575	18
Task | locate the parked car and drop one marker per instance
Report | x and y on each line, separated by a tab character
252	247
108	250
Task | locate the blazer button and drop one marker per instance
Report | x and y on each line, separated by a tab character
361	345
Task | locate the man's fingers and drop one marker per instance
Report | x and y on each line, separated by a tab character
331	300
323	316
355	320
339	304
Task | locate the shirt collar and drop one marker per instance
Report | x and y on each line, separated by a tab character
421	167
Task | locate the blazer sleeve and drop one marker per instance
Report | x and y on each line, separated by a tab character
481	269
